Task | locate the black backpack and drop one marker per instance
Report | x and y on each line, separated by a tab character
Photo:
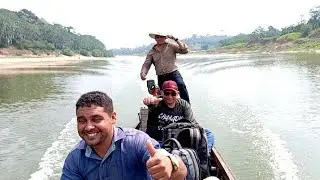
188	156
190	136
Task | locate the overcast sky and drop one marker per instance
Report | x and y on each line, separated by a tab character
126	23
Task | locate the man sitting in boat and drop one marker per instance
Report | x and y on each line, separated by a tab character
109	152
169	109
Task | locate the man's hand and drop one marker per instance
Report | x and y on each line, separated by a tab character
172	37
151	100
143	76
159	164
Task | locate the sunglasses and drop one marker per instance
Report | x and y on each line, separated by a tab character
157	37
167	93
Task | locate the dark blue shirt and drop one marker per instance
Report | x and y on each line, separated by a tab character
125	159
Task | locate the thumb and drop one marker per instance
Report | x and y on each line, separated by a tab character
158	100
146	101
150	148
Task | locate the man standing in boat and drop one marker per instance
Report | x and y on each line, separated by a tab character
163	57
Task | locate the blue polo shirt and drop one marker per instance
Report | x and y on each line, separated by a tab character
125	159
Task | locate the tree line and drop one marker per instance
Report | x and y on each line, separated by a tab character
305	31
195	42
24	30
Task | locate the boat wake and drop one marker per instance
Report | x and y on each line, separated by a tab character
53	159
281	159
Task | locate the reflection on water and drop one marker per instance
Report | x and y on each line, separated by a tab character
40	82
22	88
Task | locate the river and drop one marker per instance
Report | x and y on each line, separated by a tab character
262	108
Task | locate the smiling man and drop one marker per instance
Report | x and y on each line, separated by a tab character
169	109
109	152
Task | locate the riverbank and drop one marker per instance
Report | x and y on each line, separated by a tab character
246	51
13	58
264	51
302	45
12	65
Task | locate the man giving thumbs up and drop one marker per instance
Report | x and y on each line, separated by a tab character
110	152
163	165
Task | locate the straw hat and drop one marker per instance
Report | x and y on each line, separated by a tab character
153	35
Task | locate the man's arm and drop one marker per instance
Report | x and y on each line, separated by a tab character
70	169
183	47
188	113
146	66
151	101
179	46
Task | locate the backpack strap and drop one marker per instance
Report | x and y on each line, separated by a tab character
195	135
194	160
188	156
171	143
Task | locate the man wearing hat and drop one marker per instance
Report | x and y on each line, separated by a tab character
169	109
163	57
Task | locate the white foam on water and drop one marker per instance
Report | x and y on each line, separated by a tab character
282	159
53	158
270	144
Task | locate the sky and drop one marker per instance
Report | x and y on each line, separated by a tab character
127	23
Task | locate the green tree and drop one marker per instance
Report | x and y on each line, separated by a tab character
315	17
25	30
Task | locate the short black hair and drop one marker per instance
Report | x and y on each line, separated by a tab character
97	98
